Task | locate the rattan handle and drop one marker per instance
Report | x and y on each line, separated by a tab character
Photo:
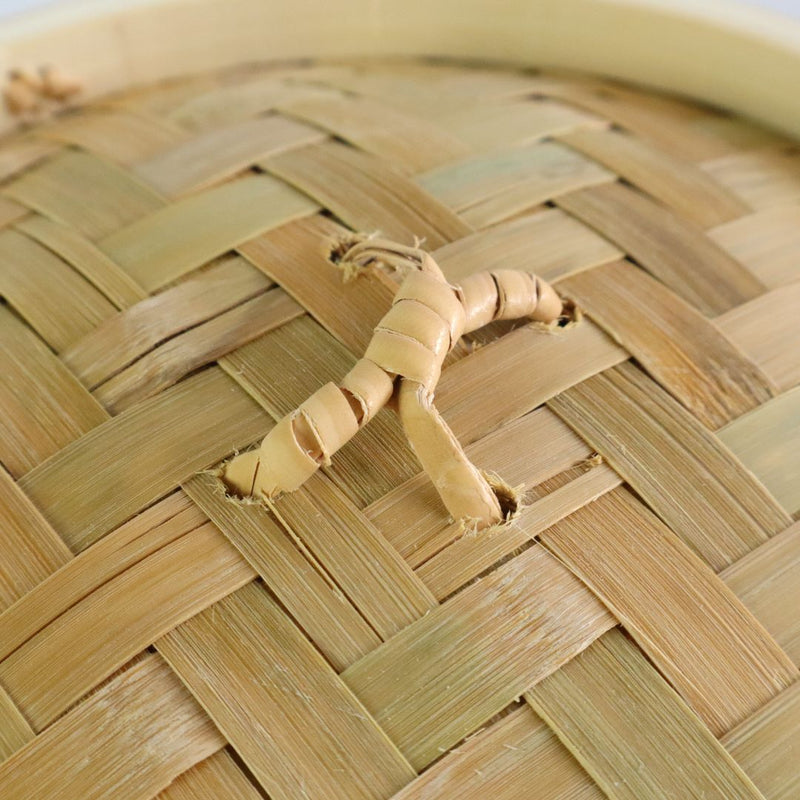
404	360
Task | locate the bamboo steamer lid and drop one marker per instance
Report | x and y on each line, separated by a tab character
173	266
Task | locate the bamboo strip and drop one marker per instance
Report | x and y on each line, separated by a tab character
44	406
216	777
174	240
214	156
671	248
367	195
680	185
265	686
767	441
54	299
23	153
168	363
165	440
15	732
677	345
10	211
613	710
84	257
297	580
143	729
492	641
506	762
123	338
681	470
701	638
84	192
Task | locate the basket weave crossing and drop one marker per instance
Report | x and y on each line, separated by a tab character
171	291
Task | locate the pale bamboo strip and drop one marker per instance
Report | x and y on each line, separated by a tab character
18	155
143	729
765	746
31	548
296	256
134	541
123	338
299	583
159	99
764	178
15	732
176	358
549	243
83	256
118	619
767	441
683	472
409	143
44	406
671	248
219	154
355	554
733	134
677	345
174	240
766	242
492	641
164	440
215	778
767	581
84	192
699	635
56	301
265	687
367	195
369	465
119	135
767	331
10	211
679	184
506	762
631	731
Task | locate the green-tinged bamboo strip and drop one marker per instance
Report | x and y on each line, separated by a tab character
45	407
10	211
15	732
17	155
265	687
492	641
172	241
613	709
143	729
164	441
216	777
681	470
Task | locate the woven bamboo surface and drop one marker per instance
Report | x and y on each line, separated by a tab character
633	633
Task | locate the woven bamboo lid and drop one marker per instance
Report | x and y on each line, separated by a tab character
168	265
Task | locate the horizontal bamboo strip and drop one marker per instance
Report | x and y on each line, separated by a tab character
110	625
22	153
631	732
164	440
672	249
15	732
326	615
84	192
492	641
679	184
766	242
409	143
44	406
767	581
219	154
367	195
217	777
677	345
265	687
174	240
31	548
143	729
505	762
767	441
54	299
10	211
765	746
123	338
83	256
704	640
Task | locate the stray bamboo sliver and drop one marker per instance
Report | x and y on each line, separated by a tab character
402	363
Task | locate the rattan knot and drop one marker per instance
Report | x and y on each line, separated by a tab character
403	360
